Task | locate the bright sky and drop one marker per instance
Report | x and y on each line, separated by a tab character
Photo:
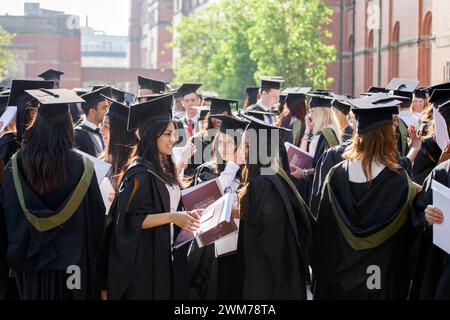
107	15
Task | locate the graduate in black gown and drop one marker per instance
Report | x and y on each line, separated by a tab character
210	276
430	152
403	88
321	134
87	137
149	87
53	208
341	109
274	230
147	214
431	265
333	156
8	141
119	142
363	225
9	144
293	117
263	109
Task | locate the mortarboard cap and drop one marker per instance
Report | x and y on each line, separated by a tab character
320	98
54	102
420	93
118	94
402	87
441	86
374	111
219	105
158	108
274	82
80	91
296	95
18	88
94	97
377	90
444	110
230	123
341	103
258	124
188	88
157	86
52	75
439	96
117	109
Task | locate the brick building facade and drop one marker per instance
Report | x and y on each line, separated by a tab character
401	38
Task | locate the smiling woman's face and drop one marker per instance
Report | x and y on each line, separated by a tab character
166	141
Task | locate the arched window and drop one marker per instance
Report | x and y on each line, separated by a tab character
425	50
347	87
368	62
394	51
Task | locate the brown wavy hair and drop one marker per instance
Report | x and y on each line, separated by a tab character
377	145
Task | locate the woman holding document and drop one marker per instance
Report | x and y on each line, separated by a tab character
146	215
210	276
432	266
274	230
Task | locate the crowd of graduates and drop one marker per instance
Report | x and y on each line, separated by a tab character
365	204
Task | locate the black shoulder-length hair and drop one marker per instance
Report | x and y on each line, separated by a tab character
45	153
121	145
147	149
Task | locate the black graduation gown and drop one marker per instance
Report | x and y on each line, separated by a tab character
360	225
347	134
329	159
431	265
305	185
402	138
8	146
210	277
140	261
41	258
84	140
274	242
257	107
426	160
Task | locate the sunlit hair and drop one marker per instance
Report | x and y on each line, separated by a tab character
428	117
378	145
325	118
341	119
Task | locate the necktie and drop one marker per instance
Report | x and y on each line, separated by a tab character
270	118
97	131
190	127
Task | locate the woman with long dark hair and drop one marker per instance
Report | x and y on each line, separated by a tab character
147	213
363	225
118	141
293	117
274	230
210	276
53	209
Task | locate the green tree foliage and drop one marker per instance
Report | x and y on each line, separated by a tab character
228	45
6	56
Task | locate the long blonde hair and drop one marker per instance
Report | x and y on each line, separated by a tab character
325	117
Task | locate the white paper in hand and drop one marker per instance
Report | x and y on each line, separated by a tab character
101	167
441	130
105	189
441	200
7	117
